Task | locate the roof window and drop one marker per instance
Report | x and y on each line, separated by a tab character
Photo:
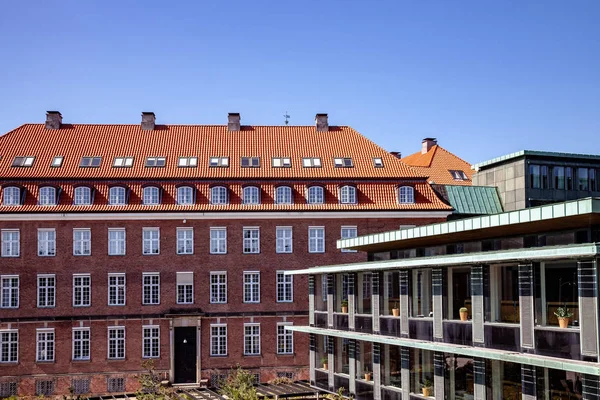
191	162
250	162
123	162
311	162
458	175
218	162
343	162
57	161
378	162
90	162
279	162
156	161
23	161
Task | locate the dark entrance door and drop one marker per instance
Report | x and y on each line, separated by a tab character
185	355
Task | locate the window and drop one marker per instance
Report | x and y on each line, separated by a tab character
406	195
316	239
12	196
251	240
283	239
57	161
218	162
115	385
151	196
281	162
191	162
116	242
156	161
151	288
151	342
47	196
116	343
592	175
83	196
377	162
46	242
23	161
251	195
251	287
185	287
80	386
218	340
9	345
582	179
250	162
559	177
116	289
342	162
82	242
10	291
116	196
81	343
46	290
185	195
81	290
569	180
311	162
285	339
251	339
151	241
285	285
218	240
348	195
45	345
349	232
316	195
121	162
93	162
218	195
44	387
185	240
283	195
218	287
534	177
10	242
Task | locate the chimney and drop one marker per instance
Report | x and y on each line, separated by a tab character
427	144
396	154
148	121
53	119
233	122
322	123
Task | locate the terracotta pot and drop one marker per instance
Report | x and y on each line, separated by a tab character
464	316
325	366
367	376
396	312
563	322
426	392
345	309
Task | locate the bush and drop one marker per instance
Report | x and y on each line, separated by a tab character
239	385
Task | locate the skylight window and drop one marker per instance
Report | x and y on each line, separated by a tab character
378	162
250	162
311	162
121	162
57	161
219	162
458	175
191	162
343	162
284	162
23	161
156	161
90	162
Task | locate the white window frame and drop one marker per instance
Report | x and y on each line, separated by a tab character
406	195
377	162
311	162
82	246
251	195
11	196
218	244
219	195
185	288
117	246
185	195
81	297
151	196
47	196
348	194
46	292
117	196
218	287
315	195
316	239
119	342
282	338
82	196
284	195
46	242
156	162
11	242
10	294
251	244
251	287
151	341
154	298
218	340
150	242
187	162
218	162
284	287
284	239
57	161
344	231
117	288
185	244
81	341
281	162
343	162
123	162
45	345
9	338
251	339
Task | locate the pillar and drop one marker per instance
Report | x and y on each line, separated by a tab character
528	382
311	300
352	366
437	283
477	307
405	371
351	301
330	299
439	364
376	281
526	309
377	371
331	362
590	387
588	307
479	377
404	312
312	358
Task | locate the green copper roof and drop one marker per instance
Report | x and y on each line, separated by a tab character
534	153
475	200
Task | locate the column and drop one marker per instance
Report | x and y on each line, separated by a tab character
330	299
479	376
528	382
588	307
439	364
590	387
526	310
404	312
312	358
477	307
375	279
405	371
377	371
351	301
331	361
437	283
352	366
311	300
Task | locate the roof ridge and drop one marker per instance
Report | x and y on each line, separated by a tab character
202	125
452	154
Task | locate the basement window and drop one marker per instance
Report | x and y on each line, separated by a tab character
218	162
191	162
156	161
120	162
311	162
23	161
93	162
458	175
378	162
343	162
250	162
279	162
57	162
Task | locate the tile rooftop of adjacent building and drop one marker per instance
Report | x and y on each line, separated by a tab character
437	164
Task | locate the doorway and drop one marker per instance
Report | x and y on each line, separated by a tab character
185	354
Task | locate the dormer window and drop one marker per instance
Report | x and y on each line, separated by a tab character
283	162
23	161
406	195
315	195
458	175
348	194
218	195
218	162
151	196
311	162
123	162
283	195
47	196
117	196
156	161
251	195
90	162
190	162
57	162
343	162
250	162
185	195
12	196
83	196
378	162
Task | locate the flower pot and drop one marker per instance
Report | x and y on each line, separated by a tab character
563	322
464	315
367	376
426	391
325	366
396	312
345	309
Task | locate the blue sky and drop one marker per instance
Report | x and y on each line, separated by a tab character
486	78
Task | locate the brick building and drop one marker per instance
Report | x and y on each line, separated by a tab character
129	242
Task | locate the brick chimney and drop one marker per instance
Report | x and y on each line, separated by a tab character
233	122
427	144
53	119
148	121
322	123
396	154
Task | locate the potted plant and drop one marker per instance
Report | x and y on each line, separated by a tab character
345	306
563	314
367	374
464	313
324	361
396	310
427	387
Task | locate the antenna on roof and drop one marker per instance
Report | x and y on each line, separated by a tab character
287	118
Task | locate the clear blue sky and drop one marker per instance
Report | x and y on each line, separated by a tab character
484	77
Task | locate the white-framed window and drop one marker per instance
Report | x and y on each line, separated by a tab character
343	162
11	196
9	345
316	239
151	196
117	289
151	341
57	161
82	288
458	175
349	232
185	195
283	239
251	195
281	162
285	288
185	287
311	162
283	195
218	287
116	242
315	195
156	161
252	287
218	240
218	162
250	162
117	196
47	196
123	162
46	242
378	162
151	241
10	291
11	242
285	339
218	339
190	162
90	162
251	240
82	242
46	293
406	194
83	196
251	339
185	240
218	195
81	343
45	344
348	194
150	288
116	342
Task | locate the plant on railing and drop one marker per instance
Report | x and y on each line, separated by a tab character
344	306
427	387
563	314
396	309
325	361
464	313
367	374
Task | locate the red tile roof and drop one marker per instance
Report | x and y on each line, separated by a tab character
437	163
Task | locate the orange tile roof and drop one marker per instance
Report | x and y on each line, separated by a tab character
437	163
